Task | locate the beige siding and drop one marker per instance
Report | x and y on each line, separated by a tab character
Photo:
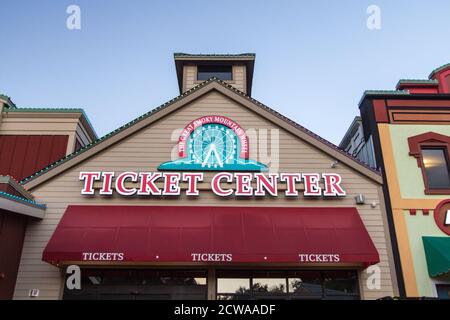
146	149
29	124
239	78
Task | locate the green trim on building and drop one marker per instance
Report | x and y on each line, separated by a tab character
20	199
445	66
383	93
9	104
218	55
45	110
437	252
417	81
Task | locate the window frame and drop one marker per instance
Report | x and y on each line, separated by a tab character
430	140
233	75
288	295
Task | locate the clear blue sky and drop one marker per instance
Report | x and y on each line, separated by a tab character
314	59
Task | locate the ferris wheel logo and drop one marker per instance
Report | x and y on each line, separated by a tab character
213	143
213	146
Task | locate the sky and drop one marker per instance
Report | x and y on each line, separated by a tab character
314	59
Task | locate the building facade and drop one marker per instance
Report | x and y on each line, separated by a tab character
410	131
355	143
212	195
30	140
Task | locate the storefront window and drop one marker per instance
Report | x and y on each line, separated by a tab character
340	284
306	284
140	285
287	285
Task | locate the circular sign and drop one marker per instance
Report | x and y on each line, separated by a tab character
442	216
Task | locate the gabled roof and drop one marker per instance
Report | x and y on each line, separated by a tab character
178	102
357	121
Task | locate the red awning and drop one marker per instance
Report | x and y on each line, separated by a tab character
210	234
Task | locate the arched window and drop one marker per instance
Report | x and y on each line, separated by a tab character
432	153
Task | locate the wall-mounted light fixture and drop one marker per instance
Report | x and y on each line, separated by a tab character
360	199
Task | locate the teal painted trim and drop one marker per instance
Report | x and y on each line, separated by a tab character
445	66
9	104
189	165
20	199
417	81
382	93
218	55
52	110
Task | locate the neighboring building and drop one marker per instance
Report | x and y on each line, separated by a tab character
189	201
30	140
355	143
410	131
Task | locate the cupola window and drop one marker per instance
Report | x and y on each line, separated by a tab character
222	72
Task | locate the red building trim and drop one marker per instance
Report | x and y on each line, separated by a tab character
429	139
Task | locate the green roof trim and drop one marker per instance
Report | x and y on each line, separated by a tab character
418	81
382	93
23	200
445	66
437	253
52	110
219	55
10	104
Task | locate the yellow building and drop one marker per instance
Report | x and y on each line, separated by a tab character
409	130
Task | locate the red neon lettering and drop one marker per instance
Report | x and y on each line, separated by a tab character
120	183
192	179
215	184
148	185
332	183
243	184
263	184
171	184
89	178
107	180
291	179
312	187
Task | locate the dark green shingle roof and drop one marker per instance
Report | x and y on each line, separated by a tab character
445	66
214	55
418	81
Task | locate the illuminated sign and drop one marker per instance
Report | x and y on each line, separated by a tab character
223	184
213	143
442	216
